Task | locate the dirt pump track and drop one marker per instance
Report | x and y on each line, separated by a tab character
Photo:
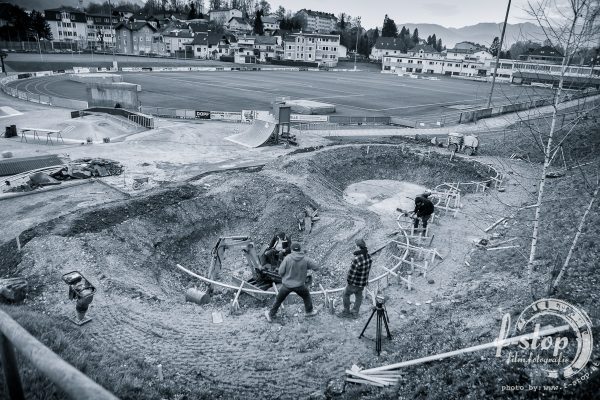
128	249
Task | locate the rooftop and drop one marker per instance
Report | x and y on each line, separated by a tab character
387	43
134	26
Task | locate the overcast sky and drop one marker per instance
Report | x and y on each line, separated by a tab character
449	13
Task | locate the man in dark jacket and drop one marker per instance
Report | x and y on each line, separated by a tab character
293	270
358	278
423	210
279	247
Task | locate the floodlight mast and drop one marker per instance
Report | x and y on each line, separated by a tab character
489	103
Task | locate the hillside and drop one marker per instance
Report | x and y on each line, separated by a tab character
47	4
482	33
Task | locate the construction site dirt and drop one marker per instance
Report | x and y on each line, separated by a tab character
130	247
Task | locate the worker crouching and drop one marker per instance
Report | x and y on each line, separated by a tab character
293	271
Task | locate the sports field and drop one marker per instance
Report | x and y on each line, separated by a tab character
353	93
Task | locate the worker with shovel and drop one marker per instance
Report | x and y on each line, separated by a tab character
293	270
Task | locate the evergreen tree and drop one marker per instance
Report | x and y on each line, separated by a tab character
342	22
415	37
433	41
389	28
375	35
39	26
495	46
364	47
192	14
259	28
439	45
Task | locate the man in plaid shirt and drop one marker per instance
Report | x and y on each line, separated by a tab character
358	278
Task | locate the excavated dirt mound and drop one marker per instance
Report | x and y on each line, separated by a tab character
129	249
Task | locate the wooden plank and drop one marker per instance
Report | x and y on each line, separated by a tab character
366	377
471	349
307	224
364	382
503	248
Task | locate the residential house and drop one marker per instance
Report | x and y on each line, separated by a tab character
134	37
246	41
270	23
239	25
200	45
198	25
267	48
342	52
218	45
244	55
141	16
317	21
67	25
220	17
312	47
101	31
480	54
468	46
544	54
424	51
386	46
176	40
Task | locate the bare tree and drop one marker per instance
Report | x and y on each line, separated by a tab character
570	24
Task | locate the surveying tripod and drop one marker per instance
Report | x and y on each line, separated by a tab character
382	316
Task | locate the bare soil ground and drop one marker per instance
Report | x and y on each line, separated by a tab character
128	249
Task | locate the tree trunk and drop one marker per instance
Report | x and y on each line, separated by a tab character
547	159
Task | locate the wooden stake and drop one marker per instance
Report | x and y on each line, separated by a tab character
160	372
489	228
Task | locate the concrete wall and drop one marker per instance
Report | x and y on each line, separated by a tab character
96	78
110	94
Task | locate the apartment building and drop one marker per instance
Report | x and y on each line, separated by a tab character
135	37
317	21
418	64
67	25
101	31
312	47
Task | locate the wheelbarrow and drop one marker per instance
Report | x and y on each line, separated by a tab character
138	182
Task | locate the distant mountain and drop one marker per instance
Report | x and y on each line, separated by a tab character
482	33
47	4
